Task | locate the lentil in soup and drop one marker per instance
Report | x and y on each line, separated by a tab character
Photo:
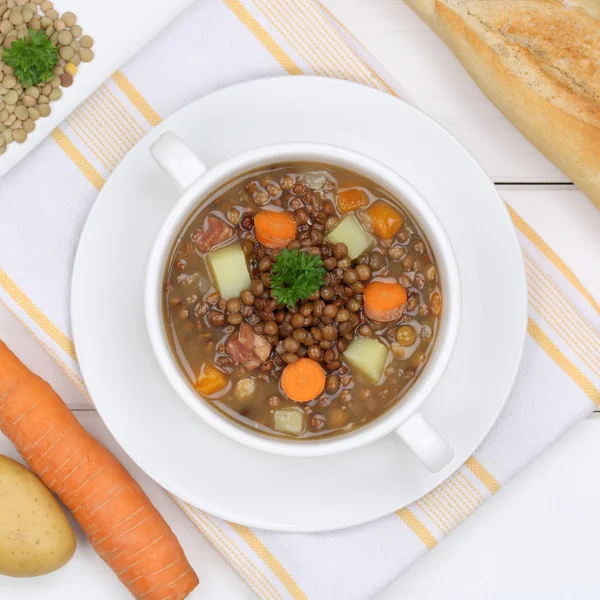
302	300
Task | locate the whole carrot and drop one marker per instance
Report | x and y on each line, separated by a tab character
124	528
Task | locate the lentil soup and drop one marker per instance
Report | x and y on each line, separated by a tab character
301	300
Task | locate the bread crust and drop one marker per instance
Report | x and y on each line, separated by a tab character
538	61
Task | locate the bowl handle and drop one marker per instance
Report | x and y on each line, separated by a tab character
425	442
176	160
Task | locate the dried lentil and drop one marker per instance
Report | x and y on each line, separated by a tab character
19	107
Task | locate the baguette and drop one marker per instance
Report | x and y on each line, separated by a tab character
538	61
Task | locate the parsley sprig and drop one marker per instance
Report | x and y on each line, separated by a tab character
296	276
32	58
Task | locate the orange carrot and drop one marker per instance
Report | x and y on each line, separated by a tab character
211	380
275	229
124	528
385	220
352	199
384	301
303	380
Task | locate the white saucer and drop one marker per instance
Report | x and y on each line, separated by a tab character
156	428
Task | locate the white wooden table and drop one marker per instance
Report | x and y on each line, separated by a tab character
536	538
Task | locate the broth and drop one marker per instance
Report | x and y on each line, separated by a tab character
235	349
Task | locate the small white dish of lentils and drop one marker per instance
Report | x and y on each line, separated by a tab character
89	44
41	53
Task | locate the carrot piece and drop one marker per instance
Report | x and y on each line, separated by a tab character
384	301
303	380
385	220
352	199
124	528
275	229
211	380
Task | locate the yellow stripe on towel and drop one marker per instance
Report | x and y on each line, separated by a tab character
563	362
136	98
341	26
239	561
263	36
411	521
490	482
71	375
36	315
67	146
536	240
269	559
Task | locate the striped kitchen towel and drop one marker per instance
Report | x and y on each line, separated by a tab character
44	202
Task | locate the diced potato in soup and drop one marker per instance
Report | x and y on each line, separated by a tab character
245	388
350	232
367	356
229	270
290	421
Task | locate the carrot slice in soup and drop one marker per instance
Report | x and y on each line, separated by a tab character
384	301
211	381
352	199
275	229
385	220
303	380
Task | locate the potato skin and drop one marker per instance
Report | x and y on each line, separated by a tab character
35	536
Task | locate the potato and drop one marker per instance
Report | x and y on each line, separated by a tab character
350	232
289	420
35	536
229	270
245	388
368	356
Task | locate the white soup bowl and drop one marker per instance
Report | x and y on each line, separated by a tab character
196	184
